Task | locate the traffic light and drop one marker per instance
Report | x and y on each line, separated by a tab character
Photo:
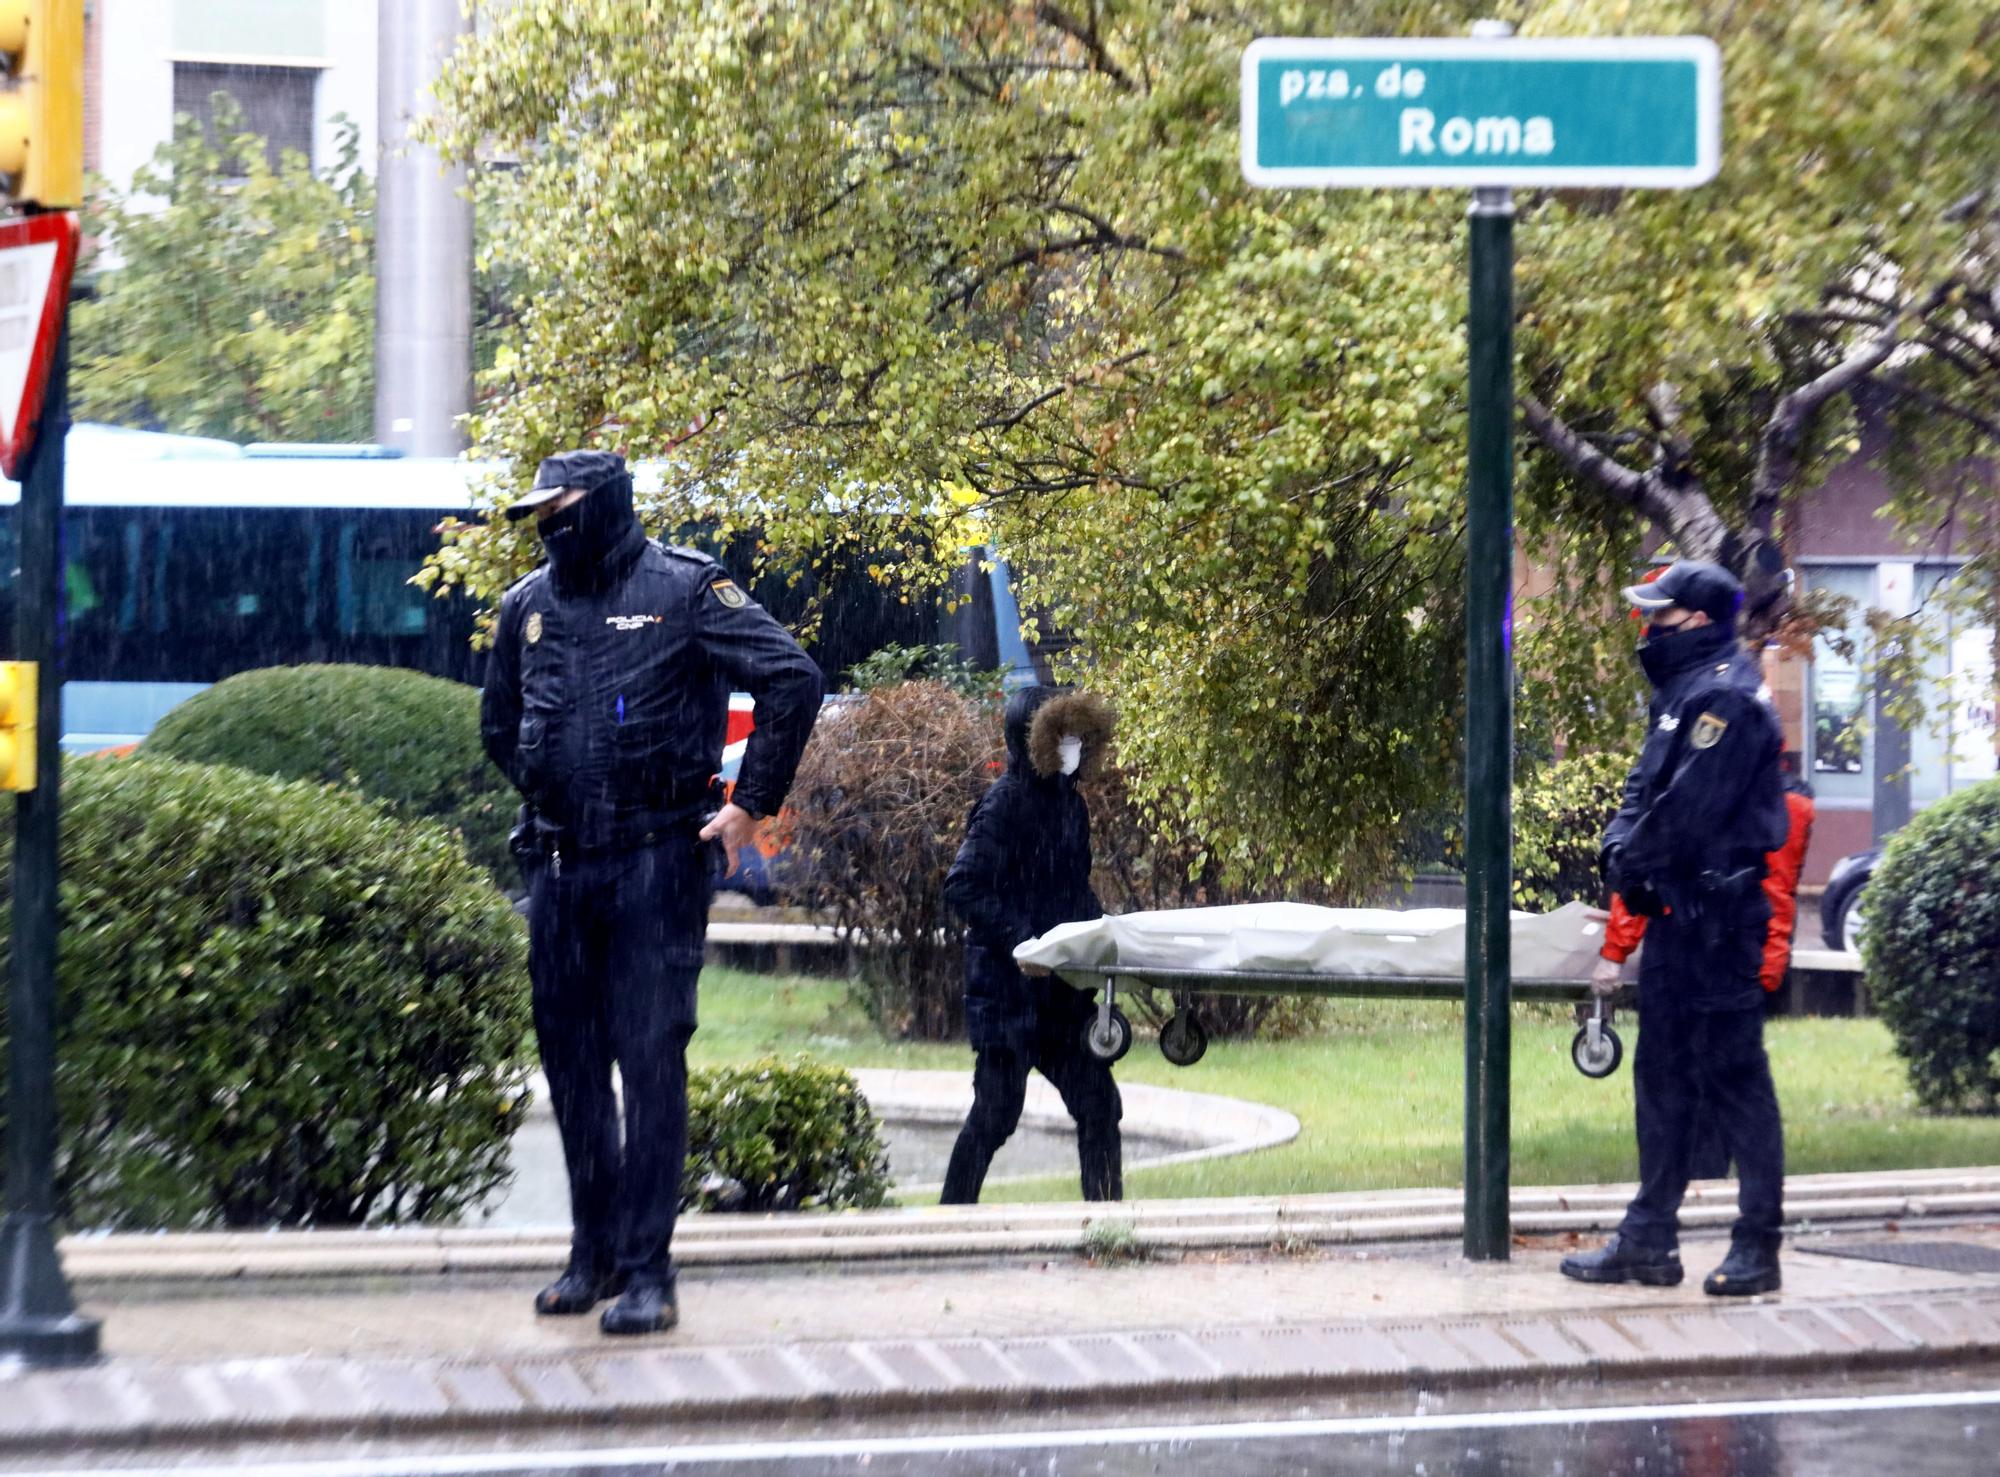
41	102
17	725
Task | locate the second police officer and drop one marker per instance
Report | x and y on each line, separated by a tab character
606	704
1702	808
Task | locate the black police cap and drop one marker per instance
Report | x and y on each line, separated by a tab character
1692	584
556	474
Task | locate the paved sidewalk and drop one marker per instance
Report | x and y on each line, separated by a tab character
202	1360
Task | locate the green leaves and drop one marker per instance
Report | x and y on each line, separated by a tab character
242	299
400	737
279	1006
782	1134
1932	949
958	271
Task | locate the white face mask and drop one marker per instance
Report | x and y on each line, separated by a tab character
1071	750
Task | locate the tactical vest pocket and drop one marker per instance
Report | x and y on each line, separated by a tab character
531	752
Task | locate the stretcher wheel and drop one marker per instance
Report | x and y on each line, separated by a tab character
1184	1041
1602	1062
1108	1045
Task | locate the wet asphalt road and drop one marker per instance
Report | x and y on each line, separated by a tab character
1923	1435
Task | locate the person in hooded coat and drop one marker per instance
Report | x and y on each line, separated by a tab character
606	704
1023	868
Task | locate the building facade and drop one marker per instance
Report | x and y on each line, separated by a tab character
1868	772
294	67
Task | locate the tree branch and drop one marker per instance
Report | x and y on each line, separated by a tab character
1585	460
1778	443
1051	14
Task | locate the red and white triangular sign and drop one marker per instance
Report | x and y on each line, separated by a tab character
37	258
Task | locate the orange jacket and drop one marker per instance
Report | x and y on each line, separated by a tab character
1781	886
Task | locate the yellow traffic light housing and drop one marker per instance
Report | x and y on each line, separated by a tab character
19	683
41	105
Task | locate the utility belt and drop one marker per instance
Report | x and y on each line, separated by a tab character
535	838
1712	900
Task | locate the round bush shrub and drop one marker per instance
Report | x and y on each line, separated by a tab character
279	1005
404	738
1932	949
782	1135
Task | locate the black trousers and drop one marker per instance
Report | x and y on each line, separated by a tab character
1701	1047
1000	1088
615	949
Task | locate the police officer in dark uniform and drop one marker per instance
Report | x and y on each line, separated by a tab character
1687	848
606	702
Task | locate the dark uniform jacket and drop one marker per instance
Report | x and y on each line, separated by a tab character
1706	801
1023	868
607	691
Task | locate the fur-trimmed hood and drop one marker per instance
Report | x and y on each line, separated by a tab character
1083	714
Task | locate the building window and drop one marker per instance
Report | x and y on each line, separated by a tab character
1837	735
274	103
1955	744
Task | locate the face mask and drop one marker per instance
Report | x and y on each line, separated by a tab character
1071	751
1657	632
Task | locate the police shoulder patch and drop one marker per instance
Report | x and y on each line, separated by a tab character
727	592
1708	730
532	630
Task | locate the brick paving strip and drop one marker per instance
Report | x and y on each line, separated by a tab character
259	1399
223	1339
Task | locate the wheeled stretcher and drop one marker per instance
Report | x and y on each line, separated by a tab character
1296	949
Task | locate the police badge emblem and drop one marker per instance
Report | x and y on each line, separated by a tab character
1707	731
728	594
533	630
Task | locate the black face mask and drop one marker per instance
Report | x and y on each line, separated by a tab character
581	537
1658	632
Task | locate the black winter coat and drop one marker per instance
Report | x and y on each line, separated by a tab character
607	691
1024	867
1701	810
1707	793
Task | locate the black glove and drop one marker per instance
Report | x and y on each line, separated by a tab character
1607	865
1643	901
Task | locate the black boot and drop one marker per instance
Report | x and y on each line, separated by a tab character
1620	1261
1747	1271
578	1290
647	1306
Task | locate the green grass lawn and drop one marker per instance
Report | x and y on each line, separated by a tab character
1379	1093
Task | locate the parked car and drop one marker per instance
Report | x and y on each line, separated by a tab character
1841	918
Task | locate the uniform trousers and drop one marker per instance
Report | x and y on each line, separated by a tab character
999	1090
615	948
1701	1045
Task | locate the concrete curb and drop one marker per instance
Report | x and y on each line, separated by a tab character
287	1399
937	1232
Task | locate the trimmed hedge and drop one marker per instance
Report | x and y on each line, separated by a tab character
1932	949
401	737
280	1005
782	1135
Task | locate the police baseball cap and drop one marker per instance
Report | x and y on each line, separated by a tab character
557	474
1692	584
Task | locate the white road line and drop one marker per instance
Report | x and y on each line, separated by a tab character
458	1465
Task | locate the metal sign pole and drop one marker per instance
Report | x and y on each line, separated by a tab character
39	1323
1489	725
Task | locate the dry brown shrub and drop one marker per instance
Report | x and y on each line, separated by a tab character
881	799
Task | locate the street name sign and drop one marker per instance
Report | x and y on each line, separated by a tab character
1596	113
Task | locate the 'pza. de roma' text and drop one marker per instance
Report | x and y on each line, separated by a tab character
1418	130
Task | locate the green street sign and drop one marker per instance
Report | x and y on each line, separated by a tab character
1639	112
